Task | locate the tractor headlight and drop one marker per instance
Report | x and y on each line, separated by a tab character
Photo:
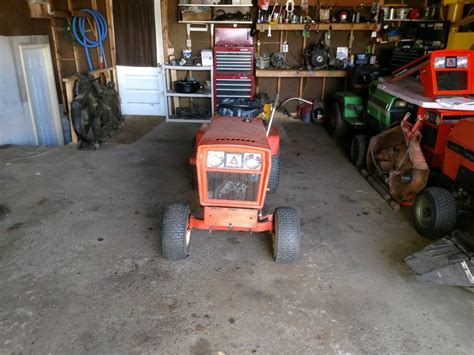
439	62
462	62
215	159
434	117
252	161
400	103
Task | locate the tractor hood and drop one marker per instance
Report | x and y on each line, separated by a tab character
228	130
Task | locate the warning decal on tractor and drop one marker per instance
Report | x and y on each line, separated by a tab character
451	62
234	160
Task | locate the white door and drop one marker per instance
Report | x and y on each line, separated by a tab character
16	127
142	89
41	91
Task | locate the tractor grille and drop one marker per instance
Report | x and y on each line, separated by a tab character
232	186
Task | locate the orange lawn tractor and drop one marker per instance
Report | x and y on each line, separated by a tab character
437	207
450	259
237	164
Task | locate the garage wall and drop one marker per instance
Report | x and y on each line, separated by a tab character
201	40
15	20
67	49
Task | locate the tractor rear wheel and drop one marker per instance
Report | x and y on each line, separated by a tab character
175	235
359	146
435	213
286	236
274	178
337	127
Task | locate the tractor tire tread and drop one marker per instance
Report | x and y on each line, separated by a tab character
175	222
287	233
359	146
274	178
445	210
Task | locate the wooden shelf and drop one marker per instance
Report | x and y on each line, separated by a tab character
200	93
415	20
394	5
333	3
296	73
322	26
214	5
218	22
187	67
395	42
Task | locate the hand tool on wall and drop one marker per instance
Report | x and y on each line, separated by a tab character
327	37
289	9
271	18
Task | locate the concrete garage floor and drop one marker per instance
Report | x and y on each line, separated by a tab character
81	269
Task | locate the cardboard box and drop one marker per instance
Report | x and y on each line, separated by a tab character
197	15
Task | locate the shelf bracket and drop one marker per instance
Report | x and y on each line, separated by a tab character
196	28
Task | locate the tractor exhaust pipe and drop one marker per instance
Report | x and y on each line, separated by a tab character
275	104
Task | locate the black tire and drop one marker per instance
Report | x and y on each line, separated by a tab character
80	122
359	146
286	236
274	178
337	127
175	235
435	213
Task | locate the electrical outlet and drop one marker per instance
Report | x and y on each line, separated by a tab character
170	51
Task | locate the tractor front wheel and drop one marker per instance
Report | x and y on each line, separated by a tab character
176	236
286	236
359	146
337	127
274	178
435	213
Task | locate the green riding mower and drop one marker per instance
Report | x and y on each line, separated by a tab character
392	162
360	115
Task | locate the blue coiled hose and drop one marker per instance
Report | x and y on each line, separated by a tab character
79	32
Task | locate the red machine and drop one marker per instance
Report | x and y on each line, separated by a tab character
442	72
449	260
436	126
447	142
448	72
459	157
236	164
233	64
436	208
